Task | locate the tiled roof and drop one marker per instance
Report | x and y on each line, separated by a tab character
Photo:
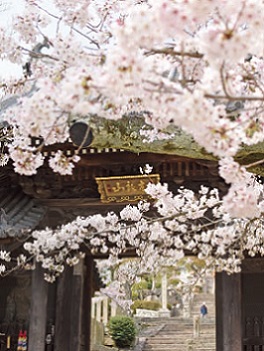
8	102
18	212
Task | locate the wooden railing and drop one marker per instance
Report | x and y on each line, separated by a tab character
103	308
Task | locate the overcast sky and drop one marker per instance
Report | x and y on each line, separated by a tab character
7	9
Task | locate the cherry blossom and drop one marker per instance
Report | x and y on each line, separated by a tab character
191	65
156	241
61	164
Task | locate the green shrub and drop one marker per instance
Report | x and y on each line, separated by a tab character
149	282
138	288
122	330
158	285
147	305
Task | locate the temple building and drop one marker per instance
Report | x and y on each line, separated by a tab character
62	310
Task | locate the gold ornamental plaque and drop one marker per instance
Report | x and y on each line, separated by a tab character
125	188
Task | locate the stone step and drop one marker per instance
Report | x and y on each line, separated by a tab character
176	333
196	340
188	348
163	340
162	347
180	347
186	334
182	339
189	330
173	346
188	326
174	320
176	329
203	322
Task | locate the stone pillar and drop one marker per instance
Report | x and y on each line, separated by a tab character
213	285
113	308
164	291
105	310
196	326
187	302
93	308
164	312
228	312
98	309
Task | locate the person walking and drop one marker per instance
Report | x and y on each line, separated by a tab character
203	310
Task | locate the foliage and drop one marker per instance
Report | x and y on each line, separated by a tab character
138	288
158	284
147	305
123	330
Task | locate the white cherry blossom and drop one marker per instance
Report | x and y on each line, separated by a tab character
194	65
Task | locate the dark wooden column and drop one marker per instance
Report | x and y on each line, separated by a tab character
63	311
76	308
68	324
228	312
87	302
38	311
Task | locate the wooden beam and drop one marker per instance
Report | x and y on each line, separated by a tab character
228	312
79	203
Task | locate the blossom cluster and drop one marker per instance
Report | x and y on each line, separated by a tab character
184	63
187	223
193	65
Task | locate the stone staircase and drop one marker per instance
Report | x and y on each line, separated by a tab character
177	334
209	300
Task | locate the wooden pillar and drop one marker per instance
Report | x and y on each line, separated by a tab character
38	311
76	307
63	320
68	325
87	302
228	312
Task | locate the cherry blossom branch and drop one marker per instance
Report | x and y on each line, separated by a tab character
38	55
253	77
253	164
87	37
223	81
234	98
16	267
72	27
172	52
239	15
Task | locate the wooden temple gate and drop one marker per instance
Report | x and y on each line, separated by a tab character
240	308
59	314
